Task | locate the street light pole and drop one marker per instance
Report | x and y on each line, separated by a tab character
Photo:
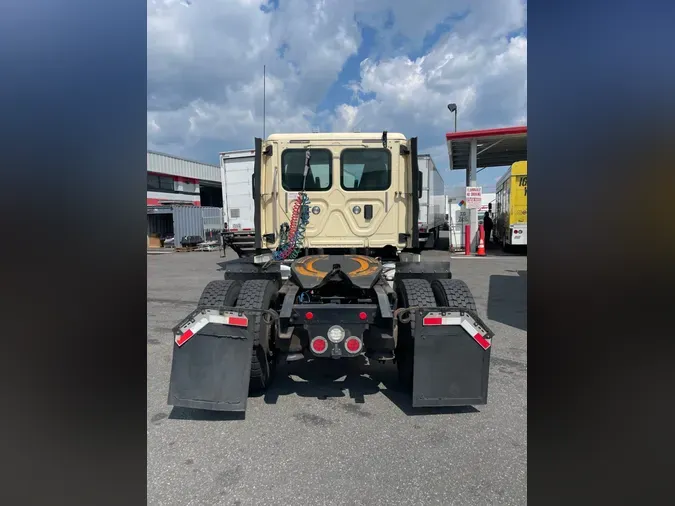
453	108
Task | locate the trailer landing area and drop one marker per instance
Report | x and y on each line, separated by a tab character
319	437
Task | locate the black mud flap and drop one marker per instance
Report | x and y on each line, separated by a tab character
452	358
211	361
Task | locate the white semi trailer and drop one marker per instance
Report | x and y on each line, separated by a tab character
236	174
432	203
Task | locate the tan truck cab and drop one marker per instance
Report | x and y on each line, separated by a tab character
359	185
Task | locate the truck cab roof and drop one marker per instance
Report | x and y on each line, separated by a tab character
336	136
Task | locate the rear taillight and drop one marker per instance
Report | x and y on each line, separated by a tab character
353	344
318	345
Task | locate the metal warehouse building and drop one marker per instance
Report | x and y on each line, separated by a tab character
184	198
174	180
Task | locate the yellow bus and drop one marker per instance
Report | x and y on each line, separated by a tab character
511	207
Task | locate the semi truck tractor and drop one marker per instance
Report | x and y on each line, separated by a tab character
335	274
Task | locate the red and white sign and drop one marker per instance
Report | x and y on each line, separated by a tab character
433	319
474	197
193	326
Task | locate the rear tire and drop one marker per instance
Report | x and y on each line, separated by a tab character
260	294
410	293
453	293
219	294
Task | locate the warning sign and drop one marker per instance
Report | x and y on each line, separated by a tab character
474	197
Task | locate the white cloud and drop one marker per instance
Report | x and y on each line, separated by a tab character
487	82
205	69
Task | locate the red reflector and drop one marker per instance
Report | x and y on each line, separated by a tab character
363	315
309	315
239	321
432	320
183	339
234	229
353	345
484	343
319	345
246	229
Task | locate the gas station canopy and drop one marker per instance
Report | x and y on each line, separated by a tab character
496	147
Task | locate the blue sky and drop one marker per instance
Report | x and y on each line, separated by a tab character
373	65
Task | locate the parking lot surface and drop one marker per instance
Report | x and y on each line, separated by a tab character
323	437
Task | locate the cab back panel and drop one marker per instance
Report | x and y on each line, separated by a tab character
333	221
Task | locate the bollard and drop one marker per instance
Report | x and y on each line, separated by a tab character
467	239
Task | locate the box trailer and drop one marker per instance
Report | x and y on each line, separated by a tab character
236	174
432	203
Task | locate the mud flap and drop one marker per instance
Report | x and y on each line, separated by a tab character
211	367
451	358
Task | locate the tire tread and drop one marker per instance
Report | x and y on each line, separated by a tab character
453	293
255	294
219	293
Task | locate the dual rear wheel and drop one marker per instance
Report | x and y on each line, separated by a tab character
252	294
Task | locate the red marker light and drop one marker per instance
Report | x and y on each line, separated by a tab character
363	315
309	315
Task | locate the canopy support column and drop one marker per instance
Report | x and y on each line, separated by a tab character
471	180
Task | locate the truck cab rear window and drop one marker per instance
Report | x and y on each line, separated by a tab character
293	166
365	169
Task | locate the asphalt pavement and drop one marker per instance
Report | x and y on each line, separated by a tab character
325	437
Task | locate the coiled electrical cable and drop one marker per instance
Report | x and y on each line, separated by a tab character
292	236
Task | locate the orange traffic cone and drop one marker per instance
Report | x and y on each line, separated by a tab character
481	243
